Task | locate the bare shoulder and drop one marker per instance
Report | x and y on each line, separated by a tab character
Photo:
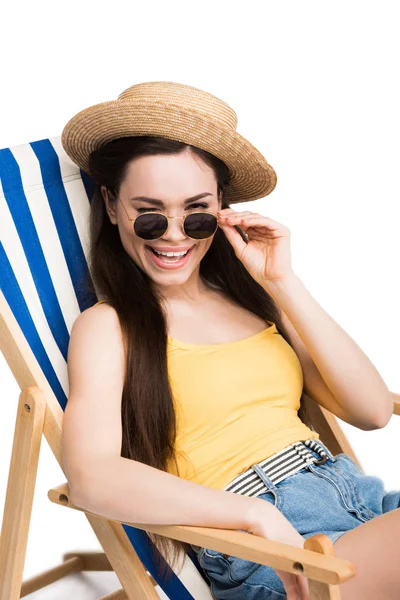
99	322
96	339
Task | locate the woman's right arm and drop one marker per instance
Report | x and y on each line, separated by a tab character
103	482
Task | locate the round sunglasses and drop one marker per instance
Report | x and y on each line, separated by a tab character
152	225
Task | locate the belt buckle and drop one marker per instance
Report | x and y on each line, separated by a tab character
318	449
322	461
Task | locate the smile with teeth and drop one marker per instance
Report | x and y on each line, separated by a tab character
169	257
171	253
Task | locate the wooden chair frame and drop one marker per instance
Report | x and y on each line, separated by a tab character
40	413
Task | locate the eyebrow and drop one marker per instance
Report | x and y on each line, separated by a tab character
156	202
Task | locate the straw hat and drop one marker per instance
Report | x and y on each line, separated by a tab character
179	112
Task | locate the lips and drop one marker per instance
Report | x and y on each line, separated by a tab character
167	265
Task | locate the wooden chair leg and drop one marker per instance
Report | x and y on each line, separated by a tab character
20	490
318	590
96	561
72	565
131	572
117	595
91	561
75	562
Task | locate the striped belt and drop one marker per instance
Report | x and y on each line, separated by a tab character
278	467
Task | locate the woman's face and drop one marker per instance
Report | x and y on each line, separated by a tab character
171	180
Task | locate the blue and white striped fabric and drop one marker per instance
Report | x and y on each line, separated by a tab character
44	214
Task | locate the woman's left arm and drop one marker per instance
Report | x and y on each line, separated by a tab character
336	369
354	382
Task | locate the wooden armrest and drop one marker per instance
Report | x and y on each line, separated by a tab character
311	564
396	402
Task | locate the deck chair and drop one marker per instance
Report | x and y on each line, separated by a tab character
44	203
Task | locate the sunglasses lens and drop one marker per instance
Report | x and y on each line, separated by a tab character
200	225
150	226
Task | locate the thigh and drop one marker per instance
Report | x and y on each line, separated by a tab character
372	546
374	549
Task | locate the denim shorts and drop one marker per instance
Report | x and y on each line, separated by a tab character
331	498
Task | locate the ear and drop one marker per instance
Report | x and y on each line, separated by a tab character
110	205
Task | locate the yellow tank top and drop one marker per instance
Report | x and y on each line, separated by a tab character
236	404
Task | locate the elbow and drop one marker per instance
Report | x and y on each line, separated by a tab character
89	485
383	421
82	491
380	419
80	479
88	491
379	422
78	493
371	426
385	415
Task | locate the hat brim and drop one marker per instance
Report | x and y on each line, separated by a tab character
252	177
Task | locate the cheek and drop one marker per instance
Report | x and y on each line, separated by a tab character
128	236
203	247
130	241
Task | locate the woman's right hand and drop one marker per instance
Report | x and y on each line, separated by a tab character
273	525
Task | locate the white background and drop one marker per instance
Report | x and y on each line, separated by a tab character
315	88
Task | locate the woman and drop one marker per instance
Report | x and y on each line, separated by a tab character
186	378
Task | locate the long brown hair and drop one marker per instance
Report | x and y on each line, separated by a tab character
148	416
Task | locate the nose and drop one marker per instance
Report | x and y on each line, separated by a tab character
175	229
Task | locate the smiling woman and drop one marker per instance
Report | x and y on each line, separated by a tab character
208	293
176	370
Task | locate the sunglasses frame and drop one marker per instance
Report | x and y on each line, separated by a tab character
168	218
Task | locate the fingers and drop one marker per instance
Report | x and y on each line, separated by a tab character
232	214
249	220
303	587
294	587
230	217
